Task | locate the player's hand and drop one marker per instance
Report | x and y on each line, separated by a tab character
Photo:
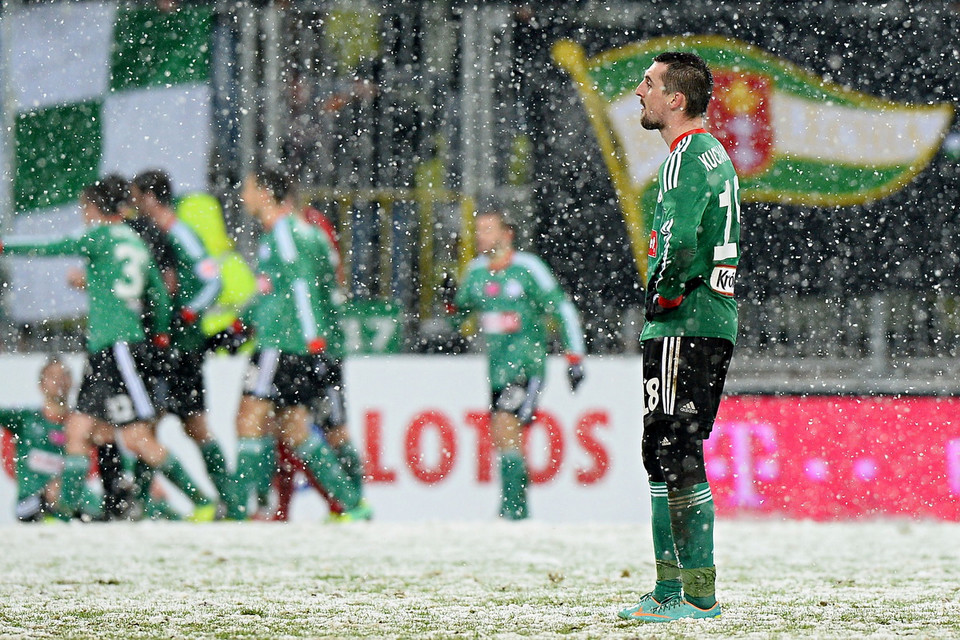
188	315
575	371
657	306
161	340
317	346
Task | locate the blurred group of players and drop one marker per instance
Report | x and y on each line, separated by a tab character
165	288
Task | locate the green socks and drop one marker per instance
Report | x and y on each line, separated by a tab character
268	468
351	464
691	519
216	465
71	483
142	479
249	469
665	553
323	465
176	474
513	478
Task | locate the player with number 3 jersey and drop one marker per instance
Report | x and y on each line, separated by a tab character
120	276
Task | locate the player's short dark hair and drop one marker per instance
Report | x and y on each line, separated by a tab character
157	183
277	182
687	73
108	194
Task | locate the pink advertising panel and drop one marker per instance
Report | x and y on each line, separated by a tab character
836	457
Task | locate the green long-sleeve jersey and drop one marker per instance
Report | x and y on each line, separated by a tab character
38	448
514	305
120	273
695	241
198	283
299	298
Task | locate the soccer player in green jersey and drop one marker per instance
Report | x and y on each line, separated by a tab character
514	294
197	283
38	448
295	319
329	414
114	391
689	334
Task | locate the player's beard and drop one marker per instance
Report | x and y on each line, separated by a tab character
649	123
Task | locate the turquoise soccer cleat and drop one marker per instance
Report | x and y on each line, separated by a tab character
647	604
676	609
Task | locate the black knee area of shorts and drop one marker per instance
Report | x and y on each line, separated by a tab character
676	447
648	453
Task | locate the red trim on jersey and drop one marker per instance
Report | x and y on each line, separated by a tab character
673	145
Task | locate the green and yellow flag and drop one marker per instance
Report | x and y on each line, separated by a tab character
793	136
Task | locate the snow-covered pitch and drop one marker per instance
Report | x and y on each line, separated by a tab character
876	579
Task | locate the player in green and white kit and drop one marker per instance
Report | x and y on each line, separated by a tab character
197	285
689	335
120	274
514	295
38	449
295	320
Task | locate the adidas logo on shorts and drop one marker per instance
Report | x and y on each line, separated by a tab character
688	408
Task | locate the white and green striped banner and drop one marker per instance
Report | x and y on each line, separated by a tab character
97	88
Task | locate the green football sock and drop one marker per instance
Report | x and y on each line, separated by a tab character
323	465
216	465
249	468
71	482
142	479
91	504
268	469
691	518
176	474
665	553
513	479
159	510
351	464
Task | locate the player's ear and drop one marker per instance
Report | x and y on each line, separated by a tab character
678	102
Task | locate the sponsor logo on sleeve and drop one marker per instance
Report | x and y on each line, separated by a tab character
723	278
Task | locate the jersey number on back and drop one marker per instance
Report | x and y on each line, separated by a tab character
730	201
133	260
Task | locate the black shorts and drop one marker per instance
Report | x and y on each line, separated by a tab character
683	380
285	379
115	385
519	398
184	384
329	408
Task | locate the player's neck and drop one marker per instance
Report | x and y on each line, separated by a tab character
271	216
55	410
165	218
501	259
674	132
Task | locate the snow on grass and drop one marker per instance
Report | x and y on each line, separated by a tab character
878	579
